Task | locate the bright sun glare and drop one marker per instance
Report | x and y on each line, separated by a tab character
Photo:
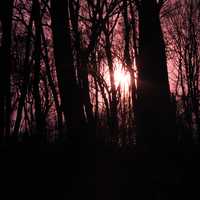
122	77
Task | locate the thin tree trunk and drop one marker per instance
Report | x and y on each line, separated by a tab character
86	99
40	121
133	74
113	104
26	79
52	86
127	56
82	58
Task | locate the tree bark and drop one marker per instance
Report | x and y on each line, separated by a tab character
154	111
39	116
5	71
69	91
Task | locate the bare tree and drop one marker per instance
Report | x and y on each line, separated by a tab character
182	36
26	75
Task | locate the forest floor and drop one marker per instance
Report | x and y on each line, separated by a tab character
110	175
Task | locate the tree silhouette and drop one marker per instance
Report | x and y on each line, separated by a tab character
71	104
5	57
59	92
26	77
182	39
154	109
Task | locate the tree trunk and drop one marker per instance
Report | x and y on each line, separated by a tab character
69	91
113	104
52	85
40	121
26	78
5	98
154	110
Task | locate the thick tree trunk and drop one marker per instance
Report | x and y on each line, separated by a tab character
69	91
154	110
82	57
5	71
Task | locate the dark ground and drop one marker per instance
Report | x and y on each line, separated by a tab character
56	173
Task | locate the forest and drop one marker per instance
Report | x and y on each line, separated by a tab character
112	86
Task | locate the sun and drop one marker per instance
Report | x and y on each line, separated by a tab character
122	78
